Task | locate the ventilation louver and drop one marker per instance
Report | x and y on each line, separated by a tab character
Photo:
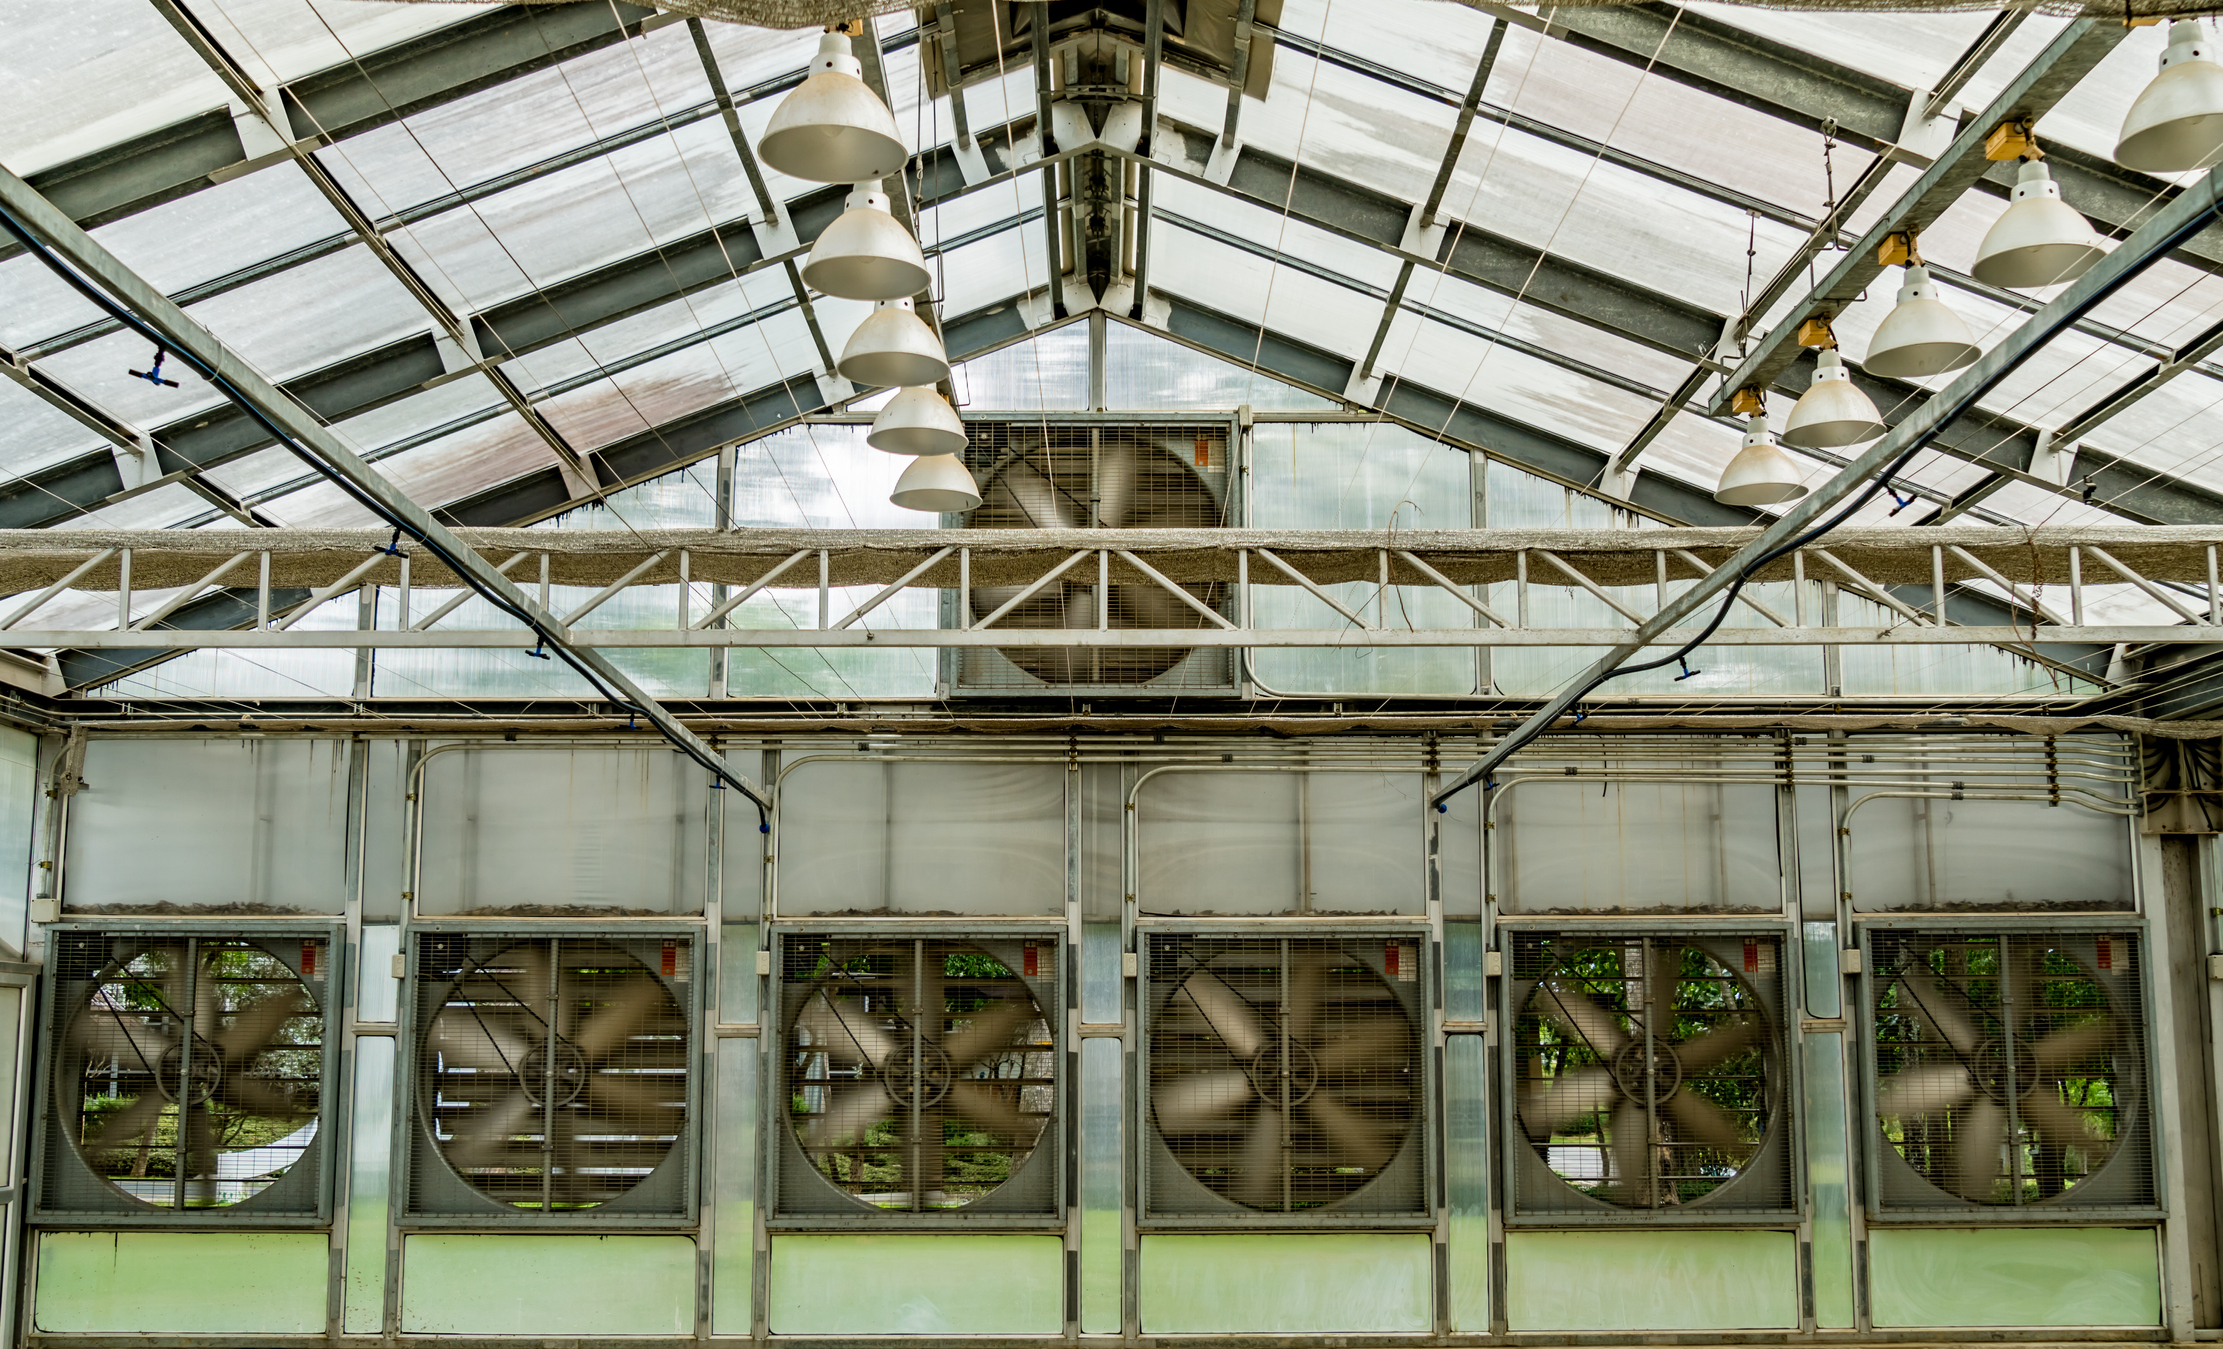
1646	1076
1078	476
553	1076
186	1076
921	1075
1286	1076
2008	1072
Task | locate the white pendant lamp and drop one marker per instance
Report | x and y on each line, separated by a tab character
833	128
1761	474
936	482
917	421
893	346
1921	335
1832	412
2041	240
866	254
2177	123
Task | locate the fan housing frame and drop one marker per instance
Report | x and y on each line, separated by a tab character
782	1155
1417	1162
417	1151
1781	1150
1880	1158
50	1147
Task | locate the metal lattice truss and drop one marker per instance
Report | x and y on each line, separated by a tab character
2045	580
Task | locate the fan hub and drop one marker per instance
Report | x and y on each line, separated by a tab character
1664	1079
569	1080
922	1079
1988	1069
1283	1086
207	1072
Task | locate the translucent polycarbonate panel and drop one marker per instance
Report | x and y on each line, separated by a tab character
737	977
686	499
1459	848
714	311
1828	1179
1288	300
163	508
1242	842
1517	500
12	1075
673	386
521	827
377	991
268	672
1103	842
823	477
831	672
1463	997
1913	50
2005	1276
1358	475
448	469
216	825
384	838
369	1186
1184	202
1592	846
1006	264
278	40
1103	982
733	1189
1475	367
741	863
224	1285
1554	601
1885	669
1927	851
1466	1183
1101	1147
83	77
748	56
40	304
1047	373
887	835
19	798
1408	36
1357	1283
34	434
417	672
668	670
1144	371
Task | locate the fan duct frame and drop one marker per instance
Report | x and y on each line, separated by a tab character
1036	1198
1768	1194
65	1190
1895	1194
1404	1195
430	1195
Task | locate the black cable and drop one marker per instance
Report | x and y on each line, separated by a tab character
720	775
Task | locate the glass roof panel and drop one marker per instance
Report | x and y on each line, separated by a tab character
673	386
728	305
80	77
1005	264
1243	285
1269	228
33	435
1144	370
446	470
1447	295
819	476
280	40
1531	391
1911	50
1418	37
161	508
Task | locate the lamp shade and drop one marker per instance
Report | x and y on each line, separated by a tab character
936	482
866	254
917	421
1761	474
1921	335
2040	240
833	128
2177	123
1832	412
893	346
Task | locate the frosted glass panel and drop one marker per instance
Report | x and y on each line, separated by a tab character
19	791
1143	371
531	828
873	836
210	824
1251	843
1608	847
1938	853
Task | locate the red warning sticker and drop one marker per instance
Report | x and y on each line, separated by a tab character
1031	963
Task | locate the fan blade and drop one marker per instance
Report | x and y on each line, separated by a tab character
1359	1139
930	1010
1925	1090
208	1002
1699	1120
1036	497
129	1123
985	1105
606	1028
1382	1045
1575	1013
1569	1097
535	984
1714	1046
1118	474
851	1110
1977	1139
2061	1124
1943	1009
107	1037
1629	1146
253	1029
261	1096
989	1031
1148	607
481	1039
1663	977
850	1038
483	1138
2063	1050
636	1098
1308	984
566	1184
1201	1102
200	1154
1258	1182
1231	1018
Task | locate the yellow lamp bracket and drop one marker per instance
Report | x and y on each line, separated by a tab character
1749	402
1899	250
1815	332
2012	140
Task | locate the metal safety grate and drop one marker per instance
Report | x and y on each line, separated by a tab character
1063	475
1286	1074
921	1072
552	1072
1646	1071
2009	1068
189	1070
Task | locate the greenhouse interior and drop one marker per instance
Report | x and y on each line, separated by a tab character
1226	672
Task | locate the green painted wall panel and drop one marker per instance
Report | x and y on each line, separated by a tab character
959	1283
183	1283
1660	1280
547	1284
1344	1283
2004	1276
